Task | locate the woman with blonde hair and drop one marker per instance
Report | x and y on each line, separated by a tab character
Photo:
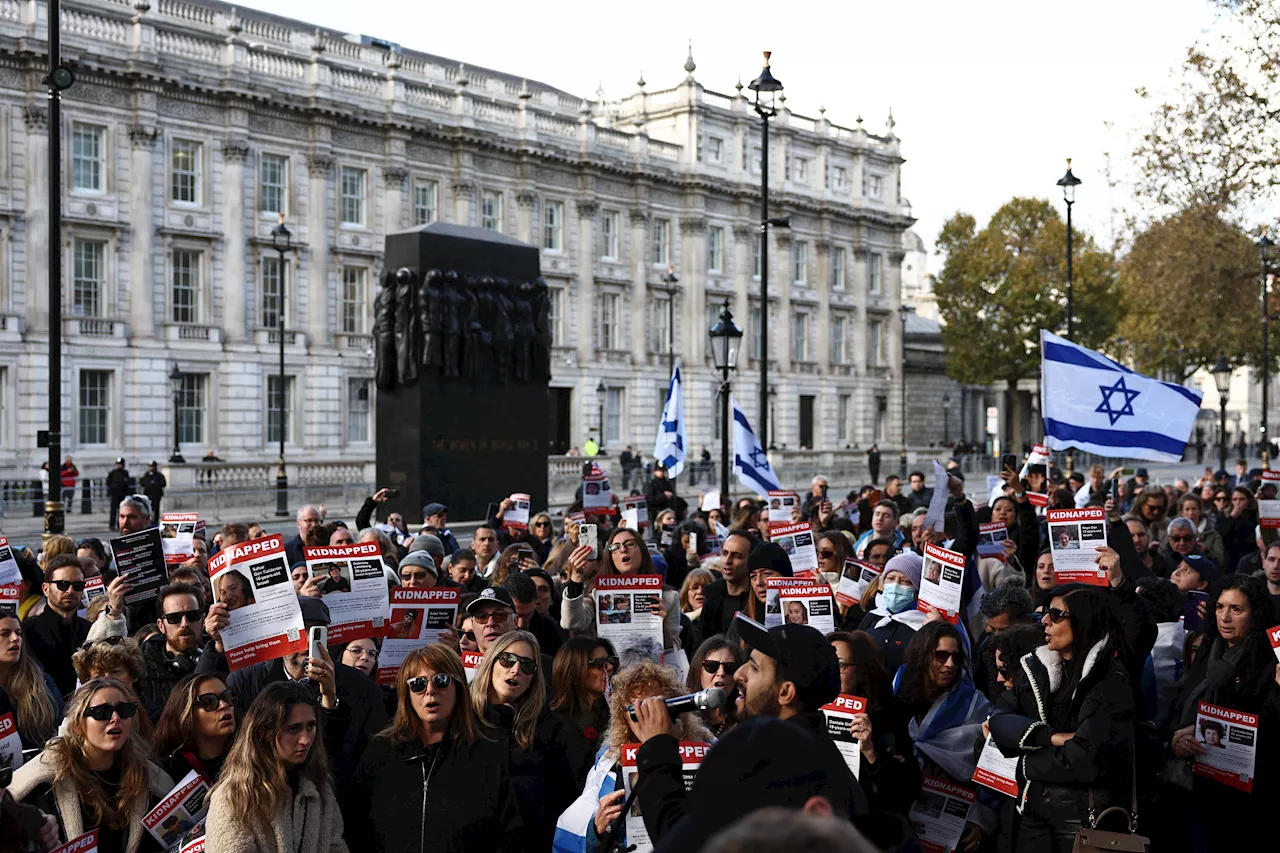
510	696
600	802
691	592
37	705
275	794
433	772
96	775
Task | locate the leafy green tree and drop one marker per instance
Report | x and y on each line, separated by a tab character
1004	283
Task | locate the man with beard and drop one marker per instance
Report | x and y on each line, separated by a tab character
179	649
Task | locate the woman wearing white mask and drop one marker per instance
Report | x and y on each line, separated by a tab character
895	619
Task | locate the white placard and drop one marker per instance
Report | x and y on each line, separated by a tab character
177	530
781	509
939	814
597	494
625	611
773	598
355	589
808	604
854	580
10	742
797	541
941	579
691	756
252	579
9	571
1230	741
1074	537
991	538
839	716
418	615
995	771
517	515
180	810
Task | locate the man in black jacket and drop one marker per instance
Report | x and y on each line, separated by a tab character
58	632
153	484
726	595
118	485
179	649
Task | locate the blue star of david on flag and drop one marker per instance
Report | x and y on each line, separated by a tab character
750	462
759	458
1126	407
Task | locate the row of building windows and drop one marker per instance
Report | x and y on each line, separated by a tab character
797	169
95	396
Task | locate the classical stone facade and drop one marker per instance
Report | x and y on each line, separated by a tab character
193	127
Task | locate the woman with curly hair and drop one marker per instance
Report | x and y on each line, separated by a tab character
600	802
37	705
97	774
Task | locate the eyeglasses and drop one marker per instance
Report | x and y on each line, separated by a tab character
78	586
418	684
1055	615
1003	673
827	554
941	657
629	544
102	713
1220	499
846	665
213	701
362	653
610	662
469	635
509	660
1182	538
187	615
542	524
711	667
486	616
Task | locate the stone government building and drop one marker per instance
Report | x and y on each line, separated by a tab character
193	126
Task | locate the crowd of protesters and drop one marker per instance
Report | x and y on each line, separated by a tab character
1093	689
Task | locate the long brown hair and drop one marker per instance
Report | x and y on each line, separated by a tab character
406	728
529	706
177	722
569	674
253	776
872	681
646	561
67	756
29	692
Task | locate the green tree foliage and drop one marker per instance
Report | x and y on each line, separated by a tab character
1004	283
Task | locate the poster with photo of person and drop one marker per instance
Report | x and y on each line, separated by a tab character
1074	538
626	611
1230	741
692	754
418	616
252	580
355	588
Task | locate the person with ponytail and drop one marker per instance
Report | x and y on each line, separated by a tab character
275	794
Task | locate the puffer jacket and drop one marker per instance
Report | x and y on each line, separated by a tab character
1055	782
310	822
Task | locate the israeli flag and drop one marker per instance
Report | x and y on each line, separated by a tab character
672	441
1098	405
750	462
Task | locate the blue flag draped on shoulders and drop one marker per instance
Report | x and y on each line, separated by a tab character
750	462
1100	406
672	442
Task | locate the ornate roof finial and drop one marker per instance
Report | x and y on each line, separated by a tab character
234	26
859	120
889	123
822	110
739	86
689	65
640	82
524	93
600	91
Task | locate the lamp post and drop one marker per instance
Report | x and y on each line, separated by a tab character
175	385
671	280
946	419
726	339
1265	245
1069	182
773	419
282	242
905	311
1222	378
601	393
766	87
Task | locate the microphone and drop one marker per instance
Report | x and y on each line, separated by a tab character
703	700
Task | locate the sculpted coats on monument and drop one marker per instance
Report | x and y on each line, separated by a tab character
384	338
405	320
454	321
522	322
503	330
431	318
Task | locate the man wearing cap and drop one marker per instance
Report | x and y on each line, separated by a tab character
792	672
1195	573
153	485
354	711
418	570
435	517
493	612
117	487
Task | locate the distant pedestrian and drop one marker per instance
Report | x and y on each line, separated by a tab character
873	464
153	485
590	448
68	476
117	488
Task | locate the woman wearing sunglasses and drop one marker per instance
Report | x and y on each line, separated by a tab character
275	794
37	705
511	697
431	780
541	536
713	665
580	676
1070	722
96	775
945	715
196	728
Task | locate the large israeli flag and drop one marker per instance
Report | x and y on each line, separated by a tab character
1095	404
750	462
672	441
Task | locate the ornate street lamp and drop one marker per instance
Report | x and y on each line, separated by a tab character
1069	182
175	385
1222	378
726	339
282	242
768	89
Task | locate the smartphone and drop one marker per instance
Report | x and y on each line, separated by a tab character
491	511
824	493
1009	460
317	638
393	493
588	534
668	531
693	542
1115	492
1191	620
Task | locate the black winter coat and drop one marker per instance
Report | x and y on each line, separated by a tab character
718	607
582	739
892	640
444	799
165	670
1056	781
542	776
53	642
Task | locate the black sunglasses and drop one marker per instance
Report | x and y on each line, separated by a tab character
102	713
528	666
78	586
943	656
469	635
418	684
188	615
212	701
601	663
1055	615
711	667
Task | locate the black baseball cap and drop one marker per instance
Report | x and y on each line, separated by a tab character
491	595
805	658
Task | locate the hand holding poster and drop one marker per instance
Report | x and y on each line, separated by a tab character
355	589
1230	742
940	582
140	558
995	771
597	494
252	580
417	617
797	541
809	604
626	611
177	530
773	598
1074	537
781	510
691	756
855	579
638	505
517	515
840	715
180	810
9	571
940	813
991	537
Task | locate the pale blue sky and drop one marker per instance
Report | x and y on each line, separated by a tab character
989	97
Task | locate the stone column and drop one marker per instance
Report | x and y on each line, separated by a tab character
395	177
822	335
319	169
142	285
640	291
526	211
235	326
780	284
464	200
36	119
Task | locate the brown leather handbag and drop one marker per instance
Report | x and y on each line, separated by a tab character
1094	840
